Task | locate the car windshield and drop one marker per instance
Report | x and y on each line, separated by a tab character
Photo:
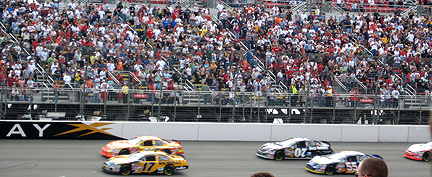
135	140
338	156
286	143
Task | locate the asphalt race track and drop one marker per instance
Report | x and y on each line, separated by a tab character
81	158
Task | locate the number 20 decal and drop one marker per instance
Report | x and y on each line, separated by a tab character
351	166
299	152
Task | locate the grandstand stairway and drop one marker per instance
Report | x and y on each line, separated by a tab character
417	102
50	95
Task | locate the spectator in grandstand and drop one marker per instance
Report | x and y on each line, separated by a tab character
174	97
56	86
206	89
96	92
373	167
312	37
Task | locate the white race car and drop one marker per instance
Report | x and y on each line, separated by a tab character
298	148
419	152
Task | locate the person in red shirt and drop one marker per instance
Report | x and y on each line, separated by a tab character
35	44
150	34
152	87
171	85
10	81
320	67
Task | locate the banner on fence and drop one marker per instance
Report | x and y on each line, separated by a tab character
58	130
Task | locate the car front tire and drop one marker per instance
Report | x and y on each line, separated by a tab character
427	156
125	170
329	170
169	170
279	155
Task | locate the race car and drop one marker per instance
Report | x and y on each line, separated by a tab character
145	162
342	162
141	143
299	148
419	152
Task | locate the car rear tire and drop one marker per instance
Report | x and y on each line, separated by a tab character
279	155
125	170
124	152
427	156
329	170
169	170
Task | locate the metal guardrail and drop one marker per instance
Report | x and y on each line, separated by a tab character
299	7
223	105
134	78
336	78
412	8
113	78
360	83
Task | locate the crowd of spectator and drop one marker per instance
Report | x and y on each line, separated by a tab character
80	44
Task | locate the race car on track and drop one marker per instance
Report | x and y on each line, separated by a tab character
299	148
419	152
145	162
342	162
141	143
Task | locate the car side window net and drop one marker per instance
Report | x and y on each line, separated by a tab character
159	143
150	158
352	159
163	158
301	144
148	143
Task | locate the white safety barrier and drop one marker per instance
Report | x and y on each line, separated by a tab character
277	132
28	129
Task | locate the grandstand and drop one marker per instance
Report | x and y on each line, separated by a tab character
214	61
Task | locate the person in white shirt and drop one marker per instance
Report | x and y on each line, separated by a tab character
160	64
111	66
67	79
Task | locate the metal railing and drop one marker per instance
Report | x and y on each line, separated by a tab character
218	106
338	81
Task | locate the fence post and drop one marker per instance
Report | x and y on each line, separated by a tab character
289	108
398	116
251	108
419	120
175	106
199	106
131	92
220	106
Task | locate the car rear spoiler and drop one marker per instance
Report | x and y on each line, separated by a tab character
326	142
177	141
377	156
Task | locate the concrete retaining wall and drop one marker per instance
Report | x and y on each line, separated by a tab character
213	131
277	132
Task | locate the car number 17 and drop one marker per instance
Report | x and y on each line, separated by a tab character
148	166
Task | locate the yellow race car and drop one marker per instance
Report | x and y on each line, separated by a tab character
145	162
141	143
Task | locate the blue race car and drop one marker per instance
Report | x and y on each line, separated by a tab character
342	162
